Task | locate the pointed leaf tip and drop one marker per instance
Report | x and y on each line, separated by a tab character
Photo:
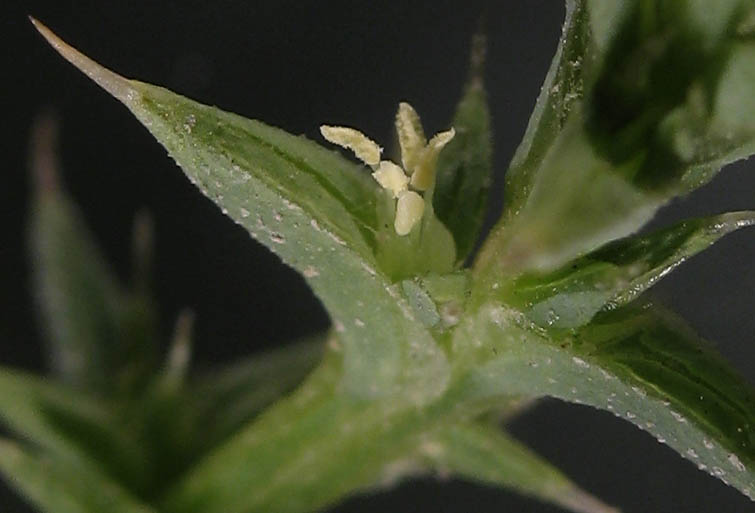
111	82
580	501
43	162
179	355
477	58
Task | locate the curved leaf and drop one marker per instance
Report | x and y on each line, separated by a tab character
617	273
309	206
58	486
642	366
665	106
486	454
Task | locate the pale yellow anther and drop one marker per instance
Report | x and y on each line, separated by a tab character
424	172
441	139
409	209
391	177
363	147
418	157
411	137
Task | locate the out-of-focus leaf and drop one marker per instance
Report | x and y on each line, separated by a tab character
70	424
284	461
617	273
643	366
604	17
56	485
657	119
486	454
315	210
229	398
577	203
178	360
77	292
465	165
658	78
99	336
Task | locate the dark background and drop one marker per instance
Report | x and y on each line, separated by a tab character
297	64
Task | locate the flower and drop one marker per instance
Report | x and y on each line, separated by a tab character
419	158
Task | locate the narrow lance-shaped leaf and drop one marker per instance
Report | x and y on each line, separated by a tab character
465	166
100	337
657	119
484	453
642	366
617	273
76	290
56	485
315	210
70	424
560	93
138	323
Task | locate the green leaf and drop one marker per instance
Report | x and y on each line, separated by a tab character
465	166
229	398
665	58
422	304
486	454
560	94
315	210
56	485
641	365
70	424
604	16
99	336
617	273
664	107
577	203
77	292
284	461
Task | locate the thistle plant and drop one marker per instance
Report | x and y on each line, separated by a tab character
433	346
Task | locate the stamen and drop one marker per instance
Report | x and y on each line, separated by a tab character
423	177
411	137
418	156
363	147
391	177
409	209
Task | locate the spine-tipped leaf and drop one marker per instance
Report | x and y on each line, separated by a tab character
315	210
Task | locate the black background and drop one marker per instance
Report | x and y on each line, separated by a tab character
297	64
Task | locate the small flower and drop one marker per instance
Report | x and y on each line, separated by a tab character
418	158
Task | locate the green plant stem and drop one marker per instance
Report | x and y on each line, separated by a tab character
294	444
